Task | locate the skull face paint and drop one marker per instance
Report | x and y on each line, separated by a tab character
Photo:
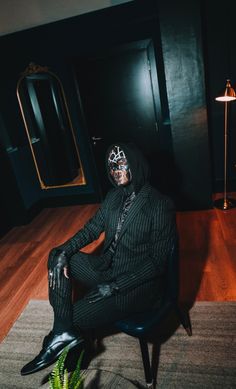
119	167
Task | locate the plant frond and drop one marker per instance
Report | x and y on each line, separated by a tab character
57	382
79	384
61	362
59	377
65	380
56	377
76	374
51	382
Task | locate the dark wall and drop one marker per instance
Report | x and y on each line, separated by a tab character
56	45
220	64
11	203
180	24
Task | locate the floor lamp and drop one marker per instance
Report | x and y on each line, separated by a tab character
227	96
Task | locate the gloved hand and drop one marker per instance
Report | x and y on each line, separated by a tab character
102	291
54	273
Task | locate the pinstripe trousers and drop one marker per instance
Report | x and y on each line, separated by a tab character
83	268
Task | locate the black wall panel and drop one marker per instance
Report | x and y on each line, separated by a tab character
184	71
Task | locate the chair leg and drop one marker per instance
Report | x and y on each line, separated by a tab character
146	362
184	320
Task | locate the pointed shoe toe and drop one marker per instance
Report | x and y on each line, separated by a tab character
33	366
53	346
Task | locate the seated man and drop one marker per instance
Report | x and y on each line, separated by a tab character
128	276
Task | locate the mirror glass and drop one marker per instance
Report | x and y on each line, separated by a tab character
49	129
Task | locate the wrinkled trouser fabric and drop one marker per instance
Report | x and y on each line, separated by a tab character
81	313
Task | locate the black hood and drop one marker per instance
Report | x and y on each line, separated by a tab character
137	162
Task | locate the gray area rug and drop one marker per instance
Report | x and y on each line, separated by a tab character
205	360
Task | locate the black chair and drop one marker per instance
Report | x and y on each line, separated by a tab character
142	324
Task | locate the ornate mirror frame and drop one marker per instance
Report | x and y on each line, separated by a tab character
49	128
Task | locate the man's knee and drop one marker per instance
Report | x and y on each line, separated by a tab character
52	258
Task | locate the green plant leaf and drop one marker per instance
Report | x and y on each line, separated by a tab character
57	382
50	382
80	384
59	377
65	380
61	363
75	378
56	377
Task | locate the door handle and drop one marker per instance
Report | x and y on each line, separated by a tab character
95	139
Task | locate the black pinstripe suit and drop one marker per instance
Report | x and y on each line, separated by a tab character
137	267
129	275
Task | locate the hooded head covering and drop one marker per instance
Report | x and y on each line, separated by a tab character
137	163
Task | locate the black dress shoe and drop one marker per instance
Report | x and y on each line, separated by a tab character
53	345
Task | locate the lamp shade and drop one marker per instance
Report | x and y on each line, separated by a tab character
228	94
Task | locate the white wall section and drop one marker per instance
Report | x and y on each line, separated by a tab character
17	15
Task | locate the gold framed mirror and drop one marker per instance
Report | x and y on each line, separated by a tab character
49	128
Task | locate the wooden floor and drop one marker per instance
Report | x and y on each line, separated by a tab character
207	256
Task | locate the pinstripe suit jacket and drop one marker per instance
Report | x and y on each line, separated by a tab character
145	240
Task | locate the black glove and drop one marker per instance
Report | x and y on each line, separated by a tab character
102	291
54	272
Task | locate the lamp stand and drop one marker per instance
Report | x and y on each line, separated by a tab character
225	202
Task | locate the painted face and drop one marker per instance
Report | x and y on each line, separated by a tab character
119	167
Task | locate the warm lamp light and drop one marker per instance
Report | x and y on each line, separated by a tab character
227	96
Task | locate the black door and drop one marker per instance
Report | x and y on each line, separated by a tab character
120	100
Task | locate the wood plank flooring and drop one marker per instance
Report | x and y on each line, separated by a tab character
207	256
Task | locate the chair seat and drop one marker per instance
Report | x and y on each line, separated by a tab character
140	323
